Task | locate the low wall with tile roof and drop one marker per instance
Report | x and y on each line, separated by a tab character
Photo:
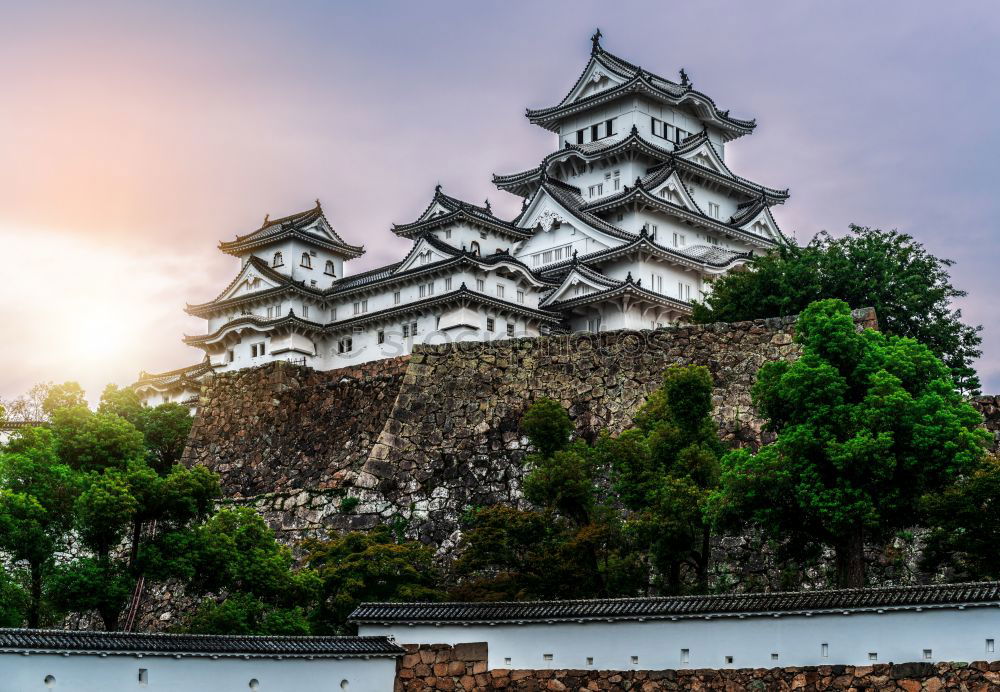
463	667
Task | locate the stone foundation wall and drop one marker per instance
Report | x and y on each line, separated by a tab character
425	439
463	667
989	406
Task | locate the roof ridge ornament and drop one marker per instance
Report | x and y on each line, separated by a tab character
489	209
267	217
595	41
635	130
437	189
685	80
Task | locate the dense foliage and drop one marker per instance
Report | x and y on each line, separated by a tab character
909	288
867	424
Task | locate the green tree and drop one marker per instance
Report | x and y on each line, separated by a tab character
964	522
37	495
244	577
909	288
13	600
166	429
866	424
368	566
63	396
94	441
123	402
97	584
547	425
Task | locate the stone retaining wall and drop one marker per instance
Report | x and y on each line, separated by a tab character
463	667
424	439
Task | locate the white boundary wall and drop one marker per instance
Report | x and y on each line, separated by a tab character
946	634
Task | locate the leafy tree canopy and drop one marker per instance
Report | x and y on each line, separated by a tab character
909	288
867	423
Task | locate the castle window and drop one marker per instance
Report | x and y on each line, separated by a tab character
447	234
547	657
774	657
490	324
989	646
579	136
590	660
345	345
413	328
609	127
329	268
872	655
447	284
312	283
635	660
474	248
360	306
306	261
510	329
713	210
395	298
333	314
618	181
520	296
277	261
480	285
381	336
143	677
499	291
406	331
729	659
825	650
594	136
654	127
305	311
928	654
482	235
685	655
230	356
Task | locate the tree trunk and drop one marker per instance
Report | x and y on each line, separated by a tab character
704	558
133	552
36	596
850	560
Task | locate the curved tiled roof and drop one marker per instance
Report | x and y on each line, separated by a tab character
294	224
457	209
96	642
677	607
291	319
637	79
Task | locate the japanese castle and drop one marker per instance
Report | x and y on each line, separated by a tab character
621	227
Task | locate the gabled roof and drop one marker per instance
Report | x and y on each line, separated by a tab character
580	273
261	323
171	378
311	226
445	210
705	257
568	197
871	600
128	643
526	182
280	282
641	192
633	79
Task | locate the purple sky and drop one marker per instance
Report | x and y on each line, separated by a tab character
135	136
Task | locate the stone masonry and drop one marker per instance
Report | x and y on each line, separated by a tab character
463	667
423	439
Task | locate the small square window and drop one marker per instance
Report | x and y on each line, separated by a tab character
729	659
547	657
635	660
872	655
590	660
506	661
143	677
774	657
928	654
989	646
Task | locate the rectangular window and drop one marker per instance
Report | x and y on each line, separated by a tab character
654	126
413	328
668	132
713	210
270	312
579	136
447	284
143	677
510	329
685	655
594	136
774	657
590	660
547	256
928	654
357	307
430	288
262	349
825	650
989	646
305	311
253	350
406	331
607	176
635	660
520	296
609	127
230	356
872	655
499	291
423	290
536	260
558	254
447	233
729	659
480	285
395	298
489	324
618	180
547	657
381	336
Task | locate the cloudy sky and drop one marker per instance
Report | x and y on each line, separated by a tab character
135	136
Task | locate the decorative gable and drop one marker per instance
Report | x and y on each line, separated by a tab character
422	253
250	280
764	225
673	190
436	209
579	282
706	156
595	79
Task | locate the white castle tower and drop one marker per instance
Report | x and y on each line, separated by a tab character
622	227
